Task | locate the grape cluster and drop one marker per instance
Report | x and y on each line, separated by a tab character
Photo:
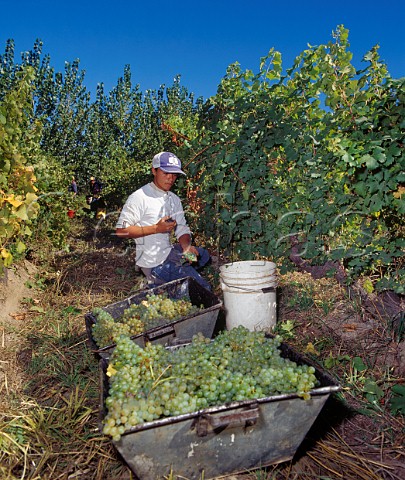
190	257
152	312
106	329
154	382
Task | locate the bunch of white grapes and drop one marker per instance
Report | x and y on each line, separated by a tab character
154	382
152	312
107	329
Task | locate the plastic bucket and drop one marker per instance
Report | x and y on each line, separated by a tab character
249	290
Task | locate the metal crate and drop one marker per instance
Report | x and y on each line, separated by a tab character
203	321
223	440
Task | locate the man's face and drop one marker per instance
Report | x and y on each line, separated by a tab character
163	180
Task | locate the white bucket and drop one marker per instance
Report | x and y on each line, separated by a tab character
249	290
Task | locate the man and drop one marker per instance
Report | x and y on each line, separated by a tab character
94	187
73	186
150	215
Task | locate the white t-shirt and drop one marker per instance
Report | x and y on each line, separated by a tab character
145	207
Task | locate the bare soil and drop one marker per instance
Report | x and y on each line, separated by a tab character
16	284
346	442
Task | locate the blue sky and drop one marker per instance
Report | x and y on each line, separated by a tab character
197	40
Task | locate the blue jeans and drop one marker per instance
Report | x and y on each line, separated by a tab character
176	267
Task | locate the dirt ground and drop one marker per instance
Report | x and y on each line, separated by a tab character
348	439
16	284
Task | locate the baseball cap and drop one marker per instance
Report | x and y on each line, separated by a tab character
168	162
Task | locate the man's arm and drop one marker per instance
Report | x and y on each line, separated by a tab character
136	231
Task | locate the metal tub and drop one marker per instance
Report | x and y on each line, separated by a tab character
203	321
223	440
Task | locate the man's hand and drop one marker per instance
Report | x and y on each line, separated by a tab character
165	225
190	253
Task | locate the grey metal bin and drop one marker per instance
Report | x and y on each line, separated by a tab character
203	321
222	440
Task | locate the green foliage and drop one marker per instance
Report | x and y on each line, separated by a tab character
332	361
113	138
62	103
310	158
52	224
285	329
359	365
372	391
33	206
18	147
302	299
397	403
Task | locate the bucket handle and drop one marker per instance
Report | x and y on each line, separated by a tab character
263	290
268	289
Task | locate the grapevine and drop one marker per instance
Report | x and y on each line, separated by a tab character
153	312
154	382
